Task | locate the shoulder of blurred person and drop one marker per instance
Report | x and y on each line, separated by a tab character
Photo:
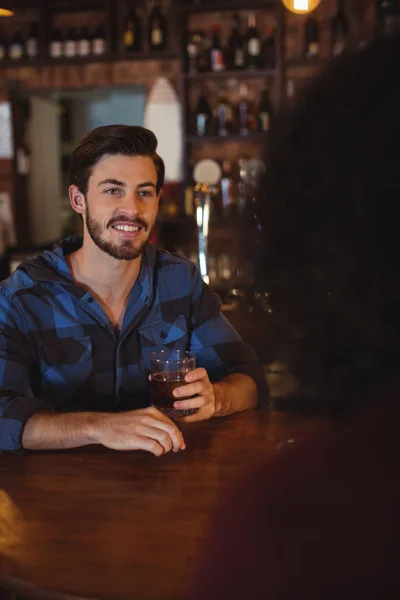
328	209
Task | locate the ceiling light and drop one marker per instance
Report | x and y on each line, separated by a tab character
5	12
301	7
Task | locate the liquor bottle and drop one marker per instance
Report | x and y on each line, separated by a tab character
269	48
228	195
194	48
224	115
340	29
312	37
386	16
203	116
131	37
3	45
32	41
236	50
16	47
264	109
244	109
56	45
99	41
157	28
84	42
70	46
253	44
216	52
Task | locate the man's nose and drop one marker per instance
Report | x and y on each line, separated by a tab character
131	202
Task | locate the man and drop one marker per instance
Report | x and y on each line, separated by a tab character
79	323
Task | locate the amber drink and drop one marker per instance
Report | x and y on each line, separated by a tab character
168	370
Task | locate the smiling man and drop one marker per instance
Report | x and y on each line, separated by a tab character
79	323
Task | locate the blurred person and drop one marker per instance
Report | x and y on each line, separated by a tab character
79	323
322	520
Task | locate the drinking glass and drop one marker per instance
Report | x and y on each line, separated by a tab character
168	370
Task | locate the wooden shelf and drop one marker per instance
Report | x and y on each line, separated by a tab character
258	137
221	75
301	63
83	60
234	5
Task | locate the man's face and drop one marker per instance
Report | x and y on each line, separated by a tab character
122	204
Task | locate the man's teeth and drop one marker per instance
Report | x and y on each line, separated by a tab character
126	227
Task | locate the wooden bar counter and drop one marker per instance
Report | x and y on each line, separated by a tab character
94	523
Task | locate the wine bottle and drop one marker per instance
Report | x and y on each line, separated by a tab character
236	51
224	115
70	47
157	28
99	41
253	43
56	46
84	42
32	41
3	45
269	48
131	37
340	29
216	52
312	49
203	116
244	109
264	110
16	48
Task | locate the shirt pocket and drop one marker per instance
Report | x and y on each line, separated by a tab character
162	334
66	367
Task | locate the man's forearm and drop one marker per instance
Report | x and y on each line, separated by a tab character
49	431
235	393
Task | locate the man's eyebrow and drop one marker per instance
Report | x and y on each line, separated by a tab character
112	182
146	184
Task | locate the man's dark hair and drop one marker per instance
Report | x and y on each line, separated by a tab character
330	218
128	140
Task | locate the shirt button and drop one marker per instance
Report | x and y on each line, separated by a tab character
90	299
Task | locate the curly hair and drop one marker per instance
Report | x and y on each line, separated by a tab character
328	213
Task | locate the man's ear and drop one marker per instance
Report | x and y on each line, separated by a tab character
77	199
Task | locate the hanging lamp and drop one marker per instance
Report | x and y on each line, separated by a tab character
301	7
6	12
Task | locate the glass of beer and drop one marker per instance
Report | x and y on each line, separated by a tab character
168	370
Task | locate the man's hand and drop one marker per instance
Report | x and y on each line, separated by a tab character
143	429
200	387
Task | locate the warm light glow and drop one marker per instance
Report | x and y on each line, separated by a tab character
4	12
199	216
206	218
202	264
301	7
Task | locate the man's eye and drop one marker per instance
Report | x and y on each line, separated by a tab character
145	193
112	191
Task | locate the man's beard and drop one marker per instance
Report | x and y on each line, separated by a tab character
126	250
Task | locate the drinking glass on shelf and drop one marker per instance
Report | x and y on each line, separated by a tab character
168	370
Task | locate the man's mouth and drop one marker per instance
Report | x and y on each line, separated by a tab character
125	227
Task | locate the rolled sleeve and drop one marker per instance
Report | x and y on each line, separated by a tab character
17	403
14	413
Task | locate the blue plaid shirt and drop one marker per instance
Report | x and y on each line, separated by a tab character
59	350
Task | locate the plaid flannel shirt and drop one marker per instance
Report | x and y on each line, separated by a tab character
59	350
